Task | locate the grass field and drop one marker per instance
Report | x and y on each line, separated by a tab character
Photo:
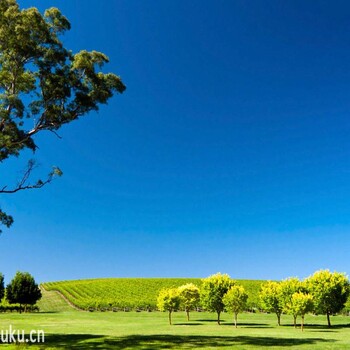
67	328
132	330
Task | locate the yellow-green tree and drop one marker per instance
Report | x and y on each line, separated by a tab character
299	305
189	296
271	298
330	291
168	300
290	286
235	300
213	289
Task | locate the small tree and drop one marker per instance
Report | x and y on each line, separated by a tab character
235	300
299	305
168	300
330	291
189	296
2	286
271	300
23	290
213	290
290	286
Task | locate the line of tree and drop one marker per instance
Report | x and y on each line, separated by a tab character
324	293
217	293
22	290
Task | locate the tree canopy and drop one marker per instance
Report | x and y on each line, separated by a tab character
300	304
330	291
270	297
235	300
289	287
23	290
2	286
213	290
168	300
189	296
43	85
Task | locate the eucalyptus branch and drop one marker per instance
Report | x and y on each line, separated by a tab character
23	183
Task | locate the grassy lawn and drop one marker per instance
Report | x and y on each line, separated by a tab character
67	328
132	330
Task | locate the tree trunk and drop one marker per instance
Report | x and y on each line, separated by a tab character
218	317
302	323
278	319
188	314
328	319
295	321
170	317
235	319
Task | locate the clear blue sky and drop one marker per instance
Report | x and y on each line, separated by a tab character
229	150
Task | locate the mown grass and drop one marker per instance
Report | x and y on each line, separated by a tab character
67	328
150	330
51	301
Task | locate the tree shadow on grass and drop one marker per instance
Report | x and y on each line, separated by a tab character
319	327
211	320
248	325
189	324
164	341
325	328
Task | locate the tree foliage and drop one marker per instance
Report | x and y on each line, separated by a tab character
330	291
43	85
168	300
290	286
189	296
213	290
271	300
300	304
2	286
235	300
23	290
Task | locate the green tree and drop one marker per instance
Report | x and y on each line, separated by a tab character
23	290
271	298
43	85
346	308
189	296
213	290
2	286
330	291
168	300
299	305
290	286
235	300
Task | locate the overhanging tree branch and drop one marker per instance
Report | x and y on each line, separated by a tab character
43	81
23	183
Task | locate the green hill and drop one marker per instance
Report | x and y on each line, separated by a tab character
129	293
52	301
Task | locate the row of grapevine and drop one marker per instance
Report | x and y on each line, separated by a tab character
129	293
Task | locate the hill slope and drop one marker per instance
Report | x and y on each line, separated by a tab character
133	293
52	301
